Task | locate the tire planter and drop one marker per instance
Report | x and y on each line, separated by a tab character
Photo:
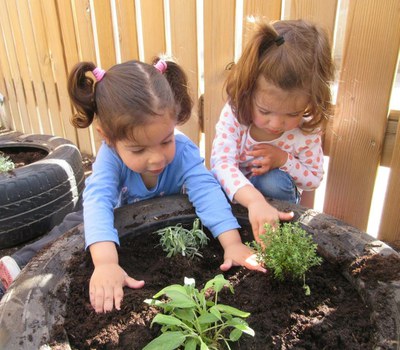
34	306
36	197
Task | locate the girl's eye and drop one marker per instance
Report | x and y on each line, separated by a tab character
265	112
137	151
167	142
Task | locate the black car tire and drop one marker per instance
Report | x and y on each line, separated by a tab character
36	197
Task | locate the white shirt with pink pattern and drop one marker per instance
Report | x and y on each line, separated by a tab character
231	165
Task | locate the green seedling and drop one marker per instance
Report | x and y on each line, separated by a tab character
193	318
6	164
178	240
289	251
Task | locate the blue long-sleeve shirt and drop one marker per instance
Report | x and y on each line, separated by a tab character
112	184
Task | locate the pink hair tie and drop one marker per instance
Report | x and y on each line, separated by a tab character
161	66
98	73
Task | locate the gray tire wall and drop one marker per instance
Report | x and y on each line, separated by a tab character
35	304
36	197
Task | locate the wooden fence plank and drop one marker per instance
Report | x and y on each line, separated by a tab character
389	229
70	45
153	28
59	67
32	58
6	122
5	107
22	54
10	98
126	14
219	41
68	35
362	108
270	10
321	12
105	33
23	121
390	138
45	62
84	30
184	48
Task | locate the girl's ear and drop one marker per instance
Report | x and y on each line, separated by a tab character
102	134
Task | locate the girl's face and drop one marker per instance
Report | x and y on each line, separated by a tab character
275	110
153	148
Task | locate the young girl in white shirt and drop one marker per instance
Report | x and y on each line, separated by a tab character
268	138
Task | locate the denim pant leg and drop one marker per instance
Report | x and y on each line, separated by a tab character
25	254
277	184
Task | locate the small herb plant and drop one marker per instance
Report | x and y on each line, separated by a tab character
6	164
288	251
194	318
178	240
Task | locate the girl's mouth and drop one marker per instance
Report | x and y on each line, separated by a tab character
275	132
157	171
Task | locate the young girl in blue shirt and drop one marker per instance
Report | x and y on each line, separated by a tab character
137	107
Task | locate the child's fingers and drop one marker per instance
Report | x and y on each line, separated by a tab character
92	295
286	216
132	283
98	300
252	264
96	296
118	296
227	264
108	299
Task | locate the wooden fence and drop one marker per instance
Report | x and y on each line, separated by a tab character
42	39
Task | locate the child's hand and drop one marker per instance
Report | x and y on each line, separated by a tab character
236	253
105	287
108	278
268	157
260	213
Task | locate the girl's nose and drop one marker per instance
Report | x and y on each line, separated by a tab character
275	121
156	158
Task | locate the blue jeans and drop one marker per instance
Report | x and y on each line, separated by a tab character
277	184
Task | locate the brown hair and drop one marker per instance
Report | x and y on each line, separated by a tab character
127	95
301	61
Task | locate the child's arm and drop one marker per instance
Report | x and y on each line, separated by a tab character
236	253
100	197
108	278
226	153
260	211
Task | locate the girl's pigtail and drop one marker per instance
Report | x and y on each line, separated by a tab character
243	76
178	81
81	89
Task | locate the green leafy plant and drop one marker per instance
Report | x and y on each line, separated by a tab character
6	164
194	318
289	251
178	240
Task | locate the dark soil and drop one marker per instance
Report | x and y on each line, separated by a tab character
21	156
332	317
